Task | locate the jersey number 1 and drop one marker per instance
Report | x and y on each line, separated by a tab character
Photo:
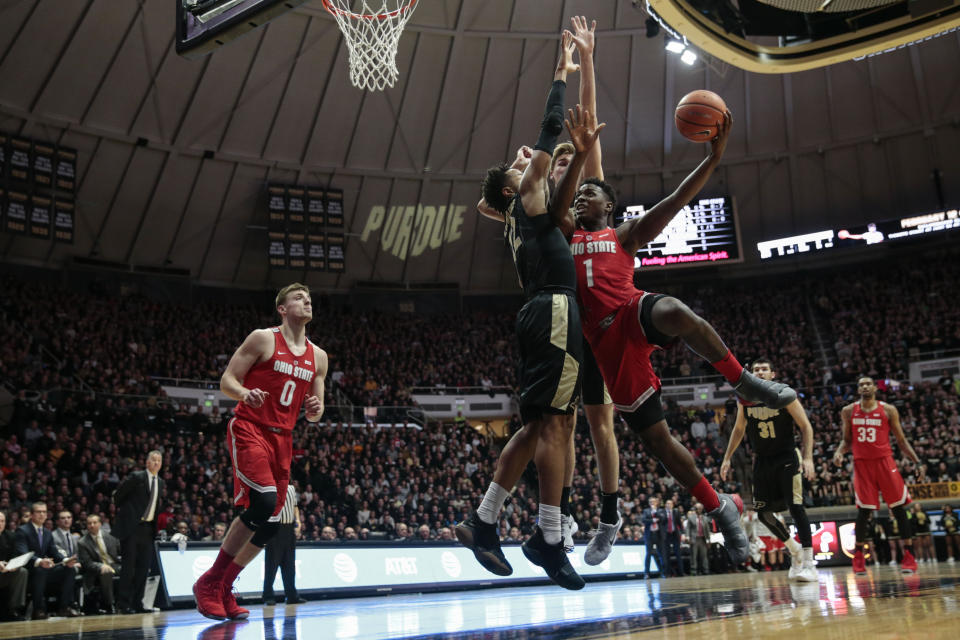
589	265
286	396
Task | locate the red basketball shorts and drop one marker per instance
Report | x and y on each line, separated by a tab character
771	543
623	353
875	476
261	461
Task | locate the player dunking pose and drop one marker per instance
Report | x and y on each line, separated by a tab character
777	484
271	375
624	325
548	330
866	431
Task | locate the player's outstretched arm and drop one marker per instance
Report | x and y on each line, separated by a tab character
533	185
584	131
799	415
844	446
257	346
638	232
313	403
894	417
739	427
585	40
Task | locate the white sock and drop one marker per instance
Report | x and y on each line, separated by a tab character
792	546
549	522
808	556
493	499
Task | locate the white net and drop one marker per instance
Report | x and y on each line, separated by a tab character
372	32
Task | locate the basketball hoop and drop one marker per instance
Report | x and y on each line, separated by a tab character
372	37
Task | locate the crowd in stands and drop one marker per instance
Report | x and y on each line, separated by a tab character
69	443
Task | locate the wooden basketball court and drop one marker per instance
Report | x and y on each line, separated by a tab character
883	604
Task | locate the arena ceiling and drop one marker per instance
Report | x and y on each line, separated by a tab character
174	155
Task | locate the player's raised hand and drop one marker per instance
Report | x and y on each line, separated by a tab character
255	397
724	470
719	143
583	128
524	154
567	47
583	37
312	406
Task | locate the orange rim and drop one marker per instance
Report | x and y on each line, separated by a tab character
328	5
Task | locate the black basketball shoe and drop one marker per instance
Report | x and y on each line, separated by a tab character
775	395
553	559
484	541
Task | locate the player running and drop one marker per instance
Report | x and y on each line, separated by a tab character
273	373
866	431
777	466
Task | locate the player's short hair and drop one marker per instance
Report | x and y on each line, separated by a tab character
762	359
562	149
493	184
287	290
606	187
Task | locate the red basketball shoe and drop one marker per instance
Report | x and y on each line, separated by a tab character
233	610
909	564
208	592
859	566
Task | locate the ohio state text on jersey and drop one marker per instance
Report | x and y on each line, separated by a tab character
870	432
287	379
604	274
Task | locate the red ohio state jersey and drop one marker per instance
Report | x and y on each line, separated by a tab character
287	378
604	274
871	432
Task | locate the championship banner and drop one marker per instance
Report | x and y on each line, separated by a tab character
43	164
335	208
296	209
15	220
297	249
335	255
935	490
316	253
40	217
278	249
66	169
315	209
63	220
20	159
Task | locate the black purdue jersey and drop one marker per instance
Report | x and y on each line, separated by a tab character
540	251
770	430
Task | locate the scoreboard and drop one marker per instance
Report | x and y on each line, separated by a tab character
37	183
305	228
702	233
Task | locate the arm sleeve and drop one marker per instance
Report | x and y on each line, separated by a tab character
552	125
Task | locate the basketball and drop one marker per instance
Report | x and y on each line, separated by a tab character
697	115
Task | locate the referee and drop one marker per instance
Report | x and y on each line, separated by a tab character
281	552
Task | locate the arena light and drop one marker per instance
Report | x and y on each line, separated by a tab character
675	46
688	56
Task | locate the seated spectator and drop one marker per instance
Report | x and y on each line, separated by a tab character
216	535
48	567
100	557
13	584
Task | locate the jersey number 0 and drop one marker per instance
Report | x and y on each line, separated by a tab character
286	396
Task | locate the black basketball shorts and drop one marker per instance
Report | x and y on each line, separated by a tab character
777	482
551	352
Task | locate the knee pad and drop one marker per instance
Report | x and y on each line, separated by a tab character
903	522
776	527
802	522
262	505
265	533
860	528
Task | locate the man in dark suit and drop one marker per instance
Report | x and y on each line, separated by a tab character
653	520
138	505
672	528
13	584
47	565
100	557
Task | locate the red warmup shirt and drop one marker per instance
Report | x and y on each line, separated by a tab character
604	275
871	432
287	378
